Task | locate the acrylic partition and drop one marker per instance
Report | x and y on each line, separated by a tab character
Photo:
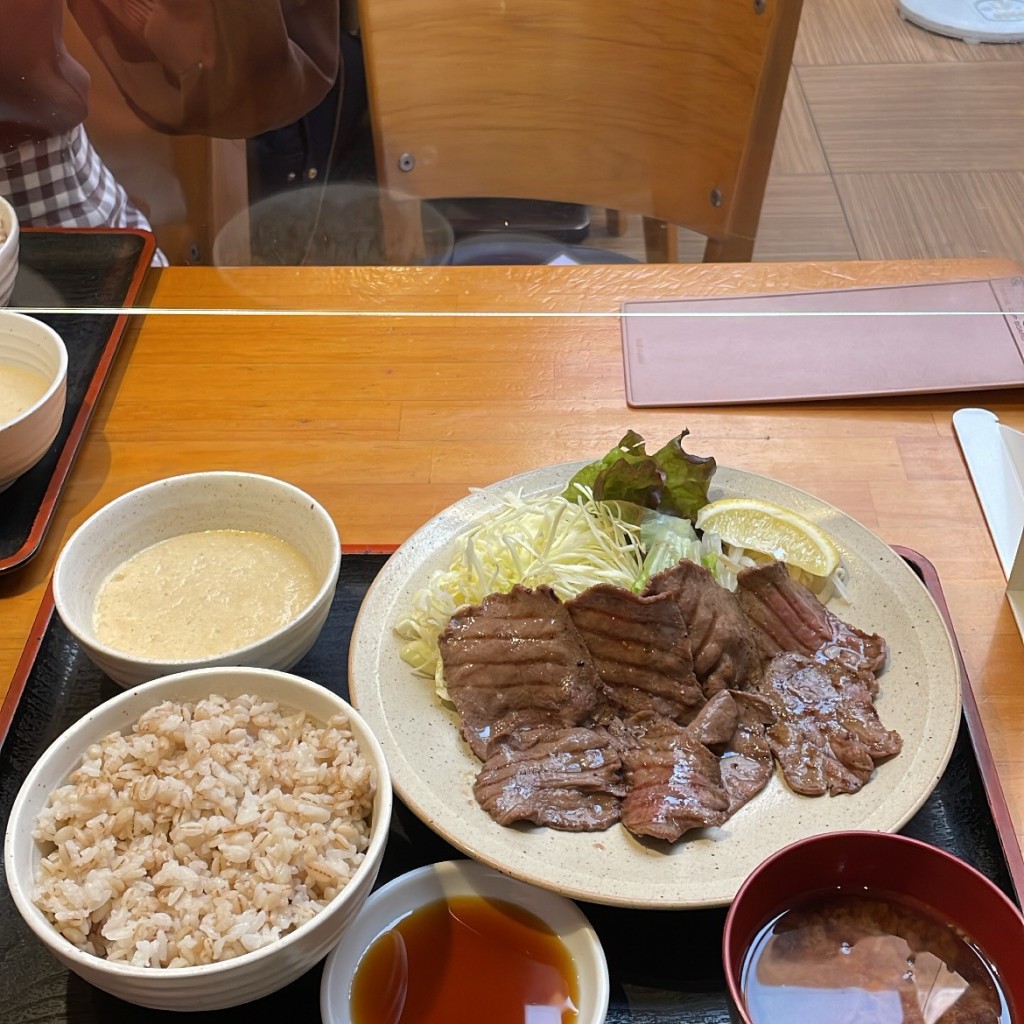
425	260
413	401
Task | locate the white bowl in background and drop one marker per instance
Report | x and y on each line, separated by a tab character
216	500
10	240
29	344
423	886
228	982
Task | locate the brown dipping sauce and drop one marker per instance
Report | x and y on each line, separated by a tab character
868	956
466	958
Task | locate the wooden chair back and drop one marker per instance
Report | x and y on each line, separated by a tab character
668	109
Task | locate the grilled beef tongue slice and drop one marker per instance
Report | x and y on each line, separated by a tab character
747	763
641	649
725	654
733	725
786	616
716	722
569	779
827	736
673	781
516	661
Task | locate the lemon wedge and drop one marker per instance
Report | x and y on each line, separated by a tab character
772	530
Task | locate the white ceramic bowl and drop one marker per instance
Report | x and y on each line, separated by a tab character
29	344
233	981
425	885
10	233
221	500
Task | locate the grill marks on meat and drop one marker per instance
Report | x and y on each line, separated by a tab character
673	781
725	654
568	779
641	649
666	711
786	616
695	776
515	662
826	736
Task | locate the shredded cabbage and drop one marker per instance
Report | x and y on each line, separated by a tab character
568	546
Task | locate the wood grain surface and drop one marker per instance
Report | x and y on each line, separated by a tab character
667	110
387	393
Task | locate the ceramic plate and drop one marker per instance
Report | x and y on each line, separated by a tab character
433	769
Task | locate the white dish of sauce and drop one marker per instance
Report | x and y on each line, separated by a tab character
457	934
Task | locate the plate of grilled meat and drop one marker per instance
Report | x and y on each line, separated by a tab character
648	741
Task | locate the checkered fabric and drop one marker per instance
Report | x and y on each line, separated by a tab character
62	182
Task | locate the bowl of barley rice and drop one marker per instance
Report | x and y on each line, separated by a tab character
202	840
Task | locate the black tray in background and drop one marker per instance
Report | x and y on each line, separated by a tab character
69	268
664	965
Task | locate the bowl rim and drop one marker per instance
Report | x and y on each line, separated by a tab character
179	976
89	638
60	378
473	877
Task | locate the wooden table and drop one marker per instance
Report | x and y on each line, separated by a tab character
388	408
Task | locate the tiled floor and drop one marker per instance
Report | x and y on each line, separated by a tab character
894	143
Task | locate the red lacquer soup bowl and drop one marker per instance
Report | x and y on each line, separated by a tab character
874	925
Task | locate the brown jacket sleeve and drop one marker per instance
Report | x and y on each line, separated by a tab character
43	91
225	68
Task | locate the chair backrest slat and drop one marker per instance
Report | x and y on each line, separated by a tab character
668	109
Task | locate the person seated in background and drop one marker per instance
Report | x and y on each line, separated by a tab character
331	141
229	69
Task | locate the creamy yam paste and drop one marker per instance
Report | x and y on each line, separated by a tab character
202	594
19	388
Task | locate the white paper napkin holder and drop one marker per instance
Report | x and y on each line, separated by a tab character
994	454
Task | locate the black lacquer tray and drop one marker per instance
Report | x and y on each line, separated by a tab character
664	965
71	269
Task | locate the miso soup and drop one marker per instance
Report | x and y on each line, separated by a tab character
841	957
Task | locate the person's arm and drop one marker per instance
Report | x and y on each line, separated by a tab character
42	89
226	68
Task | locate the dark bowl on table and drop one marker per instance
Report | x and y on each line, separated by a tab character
879	879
